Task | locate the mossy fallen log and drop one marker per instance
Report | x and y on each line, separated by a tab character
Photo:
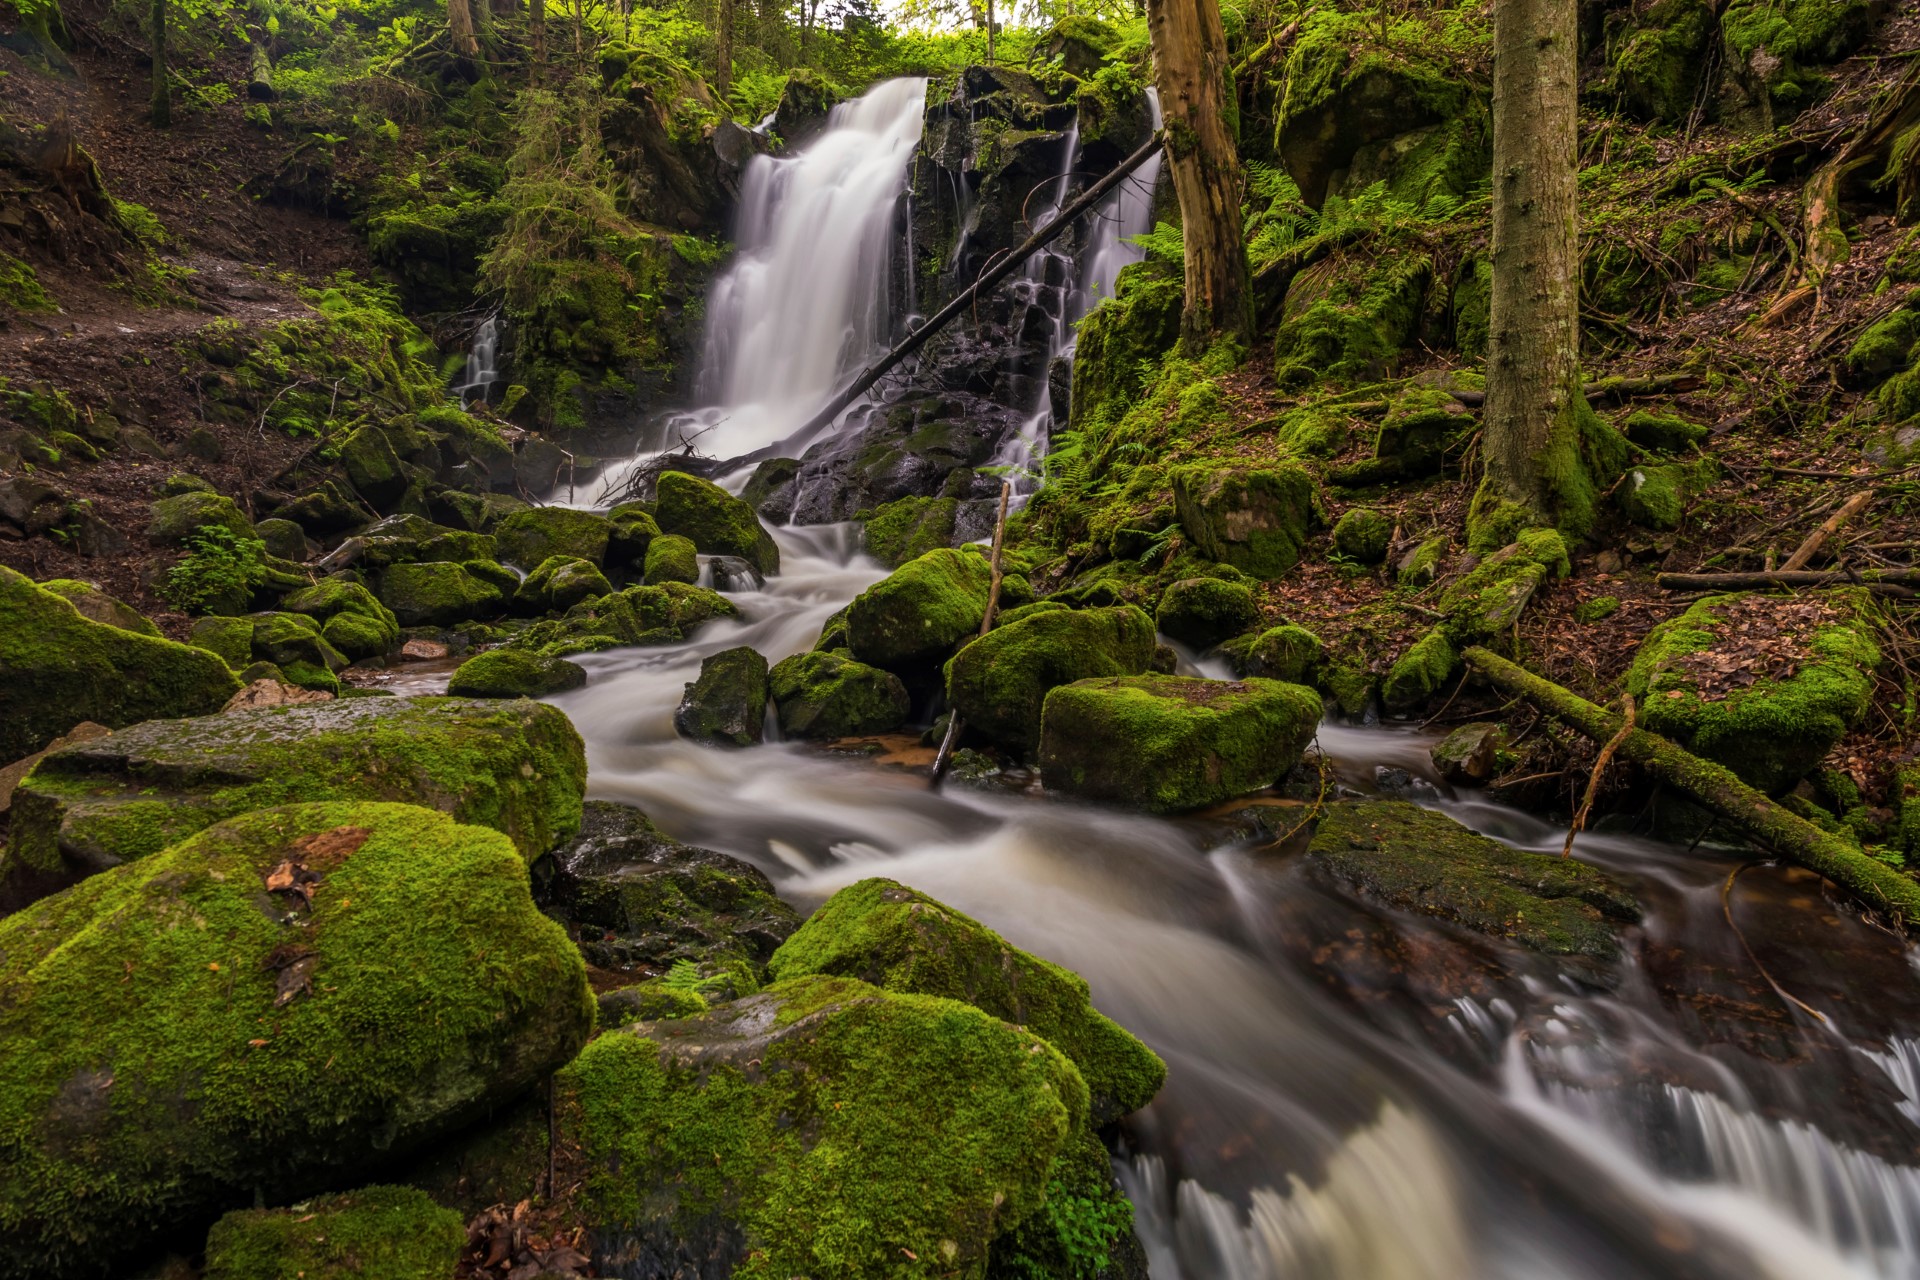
1873	883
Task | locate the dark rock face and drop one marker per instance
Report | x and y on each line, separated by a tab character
727	705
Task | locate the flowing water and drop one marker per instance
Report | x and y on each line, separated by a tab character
480	373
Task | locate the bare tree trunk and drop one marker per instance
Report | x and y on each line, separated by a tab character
161	111
723	56
460	29
991	24
1190	67
1534	402
537	18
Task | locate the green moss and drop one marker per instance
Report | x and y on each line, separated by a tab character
660	614
1347	320
526	538
437	593
1595	610
1657	497
1362	535
396	1233
829	695
516	767
1422	566
728	702
1423	862
200	1087
717	523
909	528
1120	340
922	612
1773	731
177	518
1662	432
1000	681
559	583
634	528
433	248
1795	36
1286	652
1420	673
1084	1231
1202	612
91	602
1171	743
514	673
1255	519
20	288
671	558
413	539
1487	603
781	1146
1350	685
1656	58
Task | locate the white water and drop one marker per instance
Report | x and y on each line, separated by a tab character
481	372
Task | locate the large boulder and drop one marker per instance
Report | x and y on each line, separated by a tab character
828	695
663	613
899	939
1421	861
397	1233
924	610
527	537
411	539
1485	604
671	558
1255	519
514	673
268	1008
178	518
633	529
58	668
517	767
1170	743
558	584
438	593
90	601
718	523
821	1127
1765	685
1000	681
727	704
373	467
1201	612
908	528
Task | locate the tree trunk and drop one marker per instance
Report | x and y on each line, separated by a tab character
260	75
460	28
723	55
537	19
1189	66
503	8
1534	404
162	107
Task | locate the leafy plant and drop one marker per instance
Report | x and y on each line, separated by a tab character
219	566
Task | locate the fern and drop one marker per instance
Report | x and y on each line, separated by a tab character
683	978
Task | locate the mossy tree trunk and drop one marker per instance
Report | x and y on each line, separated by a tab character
1534	404
1190	69
537	19
161	109
461	31
723	53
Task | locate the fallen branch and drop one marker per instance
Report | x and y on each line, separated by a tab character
1713	786
1884	581
944	756
1654	384
1827	528
1605	758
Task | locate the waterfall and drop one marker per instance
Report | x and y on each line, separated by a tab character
1125	214
481	372
808	298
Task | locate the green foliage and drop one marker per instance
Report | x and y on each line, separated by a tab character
20	286
219	566
395	1232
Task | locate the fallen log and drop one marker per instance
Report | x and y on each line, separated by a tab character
1654	384
1827	528
1883	581
1871	882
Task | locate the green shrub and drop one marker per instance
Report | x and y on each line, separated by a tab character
219	566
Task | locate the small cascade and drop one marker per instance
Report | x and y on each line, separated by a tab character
481	371
1126	214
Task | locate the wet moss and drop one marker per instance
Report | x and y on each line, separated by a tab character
525	538
922	612
514	673
1202	612
1348	322
717	523
659	614
558	584
437	594
1122	338
1286	652
908	528
1420	673
1487	603
827	695
1000	681
671	558
395	1233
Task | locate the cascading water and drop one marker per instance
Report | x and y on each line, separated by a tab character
481	371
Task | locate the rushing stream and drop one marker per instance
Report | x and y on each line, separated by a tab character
1351	1093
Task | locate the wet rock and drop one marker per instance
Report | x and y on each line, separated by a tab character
1286	652
899	939
828	695
295	944
735	573
437	594
1470	755
1362	535
62	667
517	767
528	537
85	731
1255	519
284	539
672	558
1423	862
1170	743
514	673
32	505
1397	783
1201	612
176	519
908	528
727	705
387	1231
659	614
717	523
1000	681
558	584
91	602
329	509
636	899
633	529
925	609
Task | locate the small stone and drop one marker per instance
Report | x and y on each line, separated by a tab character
424	650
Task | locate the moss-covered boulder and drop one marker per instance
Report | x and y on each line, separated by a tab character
727	704
1656	56
352	619
287	639
1201	612
664	613
1423	862
91	602
58	668
717	523
899	939
284	539
412	539
921	612
528	537
774	1135
1000	681
1286	652
373	467
514	673
671	558
1255	519
1656	497
1766	685
1664	432
265	1032
175	519
1170	743
633	529
637	900
558	584
826	695
394	1233
1487	601
1419	673
517	767
1122	339
908	528
1362	535
1775	52
437	593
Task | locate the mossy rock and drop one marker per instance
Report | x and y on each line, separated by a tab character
1349	319
1471	754
1423	862
727	704
1286	652
394	1233
284	539
899	939
634	528
908	528
328	509
528	537
718	523
437	593
1662	432
1656	497
660	614
1419	673
1255	519
414	539
826	695
176	519
1000	682
636	899
517	767
558	584
231	638
1771	732
773	1135
921	612
91	602
1124	336
58	668
330	598
258	1043
1362	535
671	558
1655	58
1774	50
514	673
1201	612
1167	744
1486	603
287	638
373	468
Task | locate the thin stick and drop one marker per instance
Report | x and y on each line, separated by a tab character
1828	527
1599	771
945	755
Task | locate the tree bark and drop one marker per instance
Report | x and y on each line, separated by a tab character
1534	399
460	28
537	19
161	110
1792	837
1190	70
723	55
260	74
